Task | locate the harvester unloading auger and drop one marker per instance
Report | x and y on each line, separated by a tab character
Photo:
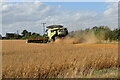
53	32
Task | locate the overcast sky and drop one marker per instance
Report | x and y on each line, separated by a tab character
74	16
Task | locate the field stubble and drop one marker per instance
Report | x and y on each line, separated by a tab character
57	60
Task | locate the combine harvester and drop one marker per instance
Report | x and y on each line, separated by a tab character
53	32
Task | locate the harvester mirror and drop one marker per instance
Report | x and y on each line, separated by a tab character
46	30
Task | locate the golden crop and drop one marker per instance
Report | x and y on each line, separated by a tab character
56	60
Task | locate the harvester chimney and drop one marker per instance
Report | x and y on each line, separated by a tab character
43	28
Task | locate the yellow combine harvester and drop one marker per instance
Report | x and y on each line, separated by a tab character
53	32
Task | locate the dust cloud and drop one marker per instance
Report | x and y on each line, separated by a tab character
85	38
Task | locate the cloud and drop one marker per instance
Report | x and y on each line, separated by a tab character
24	12
20	16
111	15
111	10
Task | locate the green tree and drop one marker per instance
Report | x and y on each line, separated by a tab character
24	32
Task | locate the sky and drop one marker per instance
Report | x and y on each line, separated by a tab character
80	5
73	15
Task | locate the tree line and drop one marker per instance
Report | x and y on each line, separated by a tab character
24	35
28	35
100	32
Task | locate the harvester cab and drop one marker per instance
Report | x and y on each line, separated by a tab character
53	32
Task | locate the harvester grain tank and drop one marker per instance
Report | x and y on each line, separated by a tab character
53	32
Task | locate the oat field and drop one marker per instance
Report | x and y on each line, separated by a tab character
58	60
